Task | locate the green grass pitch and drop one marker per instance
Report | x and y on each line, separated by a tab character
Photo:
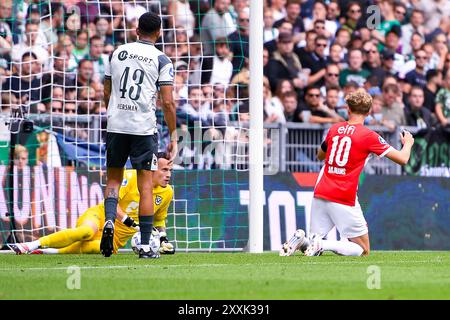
403	275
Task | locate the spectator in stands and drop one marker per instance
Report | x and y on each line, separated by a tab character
284	63
279	9
55	24
292	110
434	12
29	44
284	86
447	63
342	38
375	117
239	40
392	43
336	56
270	32
400	12
372	61
315	61
81	48
65	44
3	73
293	10
6	37
387	58
102	27
354	15
60	75
180	84
273	109
55	107
318	112
183	15
415	113
443	102
355	71
20	156
440	45
417	77
415	25
217	23
181	42
70	108
271	46
99	59
310	45
22	87
434	82
331	102
331	78
218	69
333	12
319	28
393	113
85	73
320	22
86	101
193	111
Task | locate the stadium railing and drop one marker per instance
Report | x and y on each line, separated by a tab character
289	147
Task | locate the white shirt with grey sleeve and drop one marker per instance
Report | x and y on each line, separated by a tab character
136	70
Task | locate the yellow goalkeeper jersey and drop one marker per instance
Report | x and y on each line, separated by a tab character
129	198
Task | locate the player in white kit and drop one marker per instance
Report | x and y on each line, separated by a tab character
137	72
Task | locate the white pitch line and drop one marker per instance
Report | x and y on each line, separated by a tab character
209	265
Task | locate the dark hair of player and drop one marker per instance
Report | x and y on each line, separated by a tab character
149	23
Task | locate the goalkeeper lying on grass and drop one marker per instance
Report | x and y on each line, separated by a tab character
85	238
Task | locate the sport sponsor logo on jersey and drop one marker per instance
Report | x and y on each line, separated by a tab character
382	141
158	200
122	55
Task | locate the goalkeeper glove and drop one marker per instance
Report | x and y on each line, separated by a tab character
166	247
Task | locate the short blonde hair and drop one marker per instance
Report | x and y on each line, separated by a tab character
359	101
18	150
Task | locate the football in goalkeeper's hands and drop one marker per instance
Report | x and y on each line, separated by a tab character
154	241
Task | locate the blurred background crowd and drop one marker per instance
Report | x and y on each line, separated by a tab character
53	56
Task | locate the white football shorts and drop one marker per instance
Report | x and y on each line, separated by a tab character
348	220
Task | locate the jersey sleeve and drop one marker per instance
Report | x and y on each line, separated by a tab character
378	145
166	73
108	67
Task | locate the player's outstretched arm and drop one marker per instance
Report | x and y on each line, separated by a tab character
402	157
169	109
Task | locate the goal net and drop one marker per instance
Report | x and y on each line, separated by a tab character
52	129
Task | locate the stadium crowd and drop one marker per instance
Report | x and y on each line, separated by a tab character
53	56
